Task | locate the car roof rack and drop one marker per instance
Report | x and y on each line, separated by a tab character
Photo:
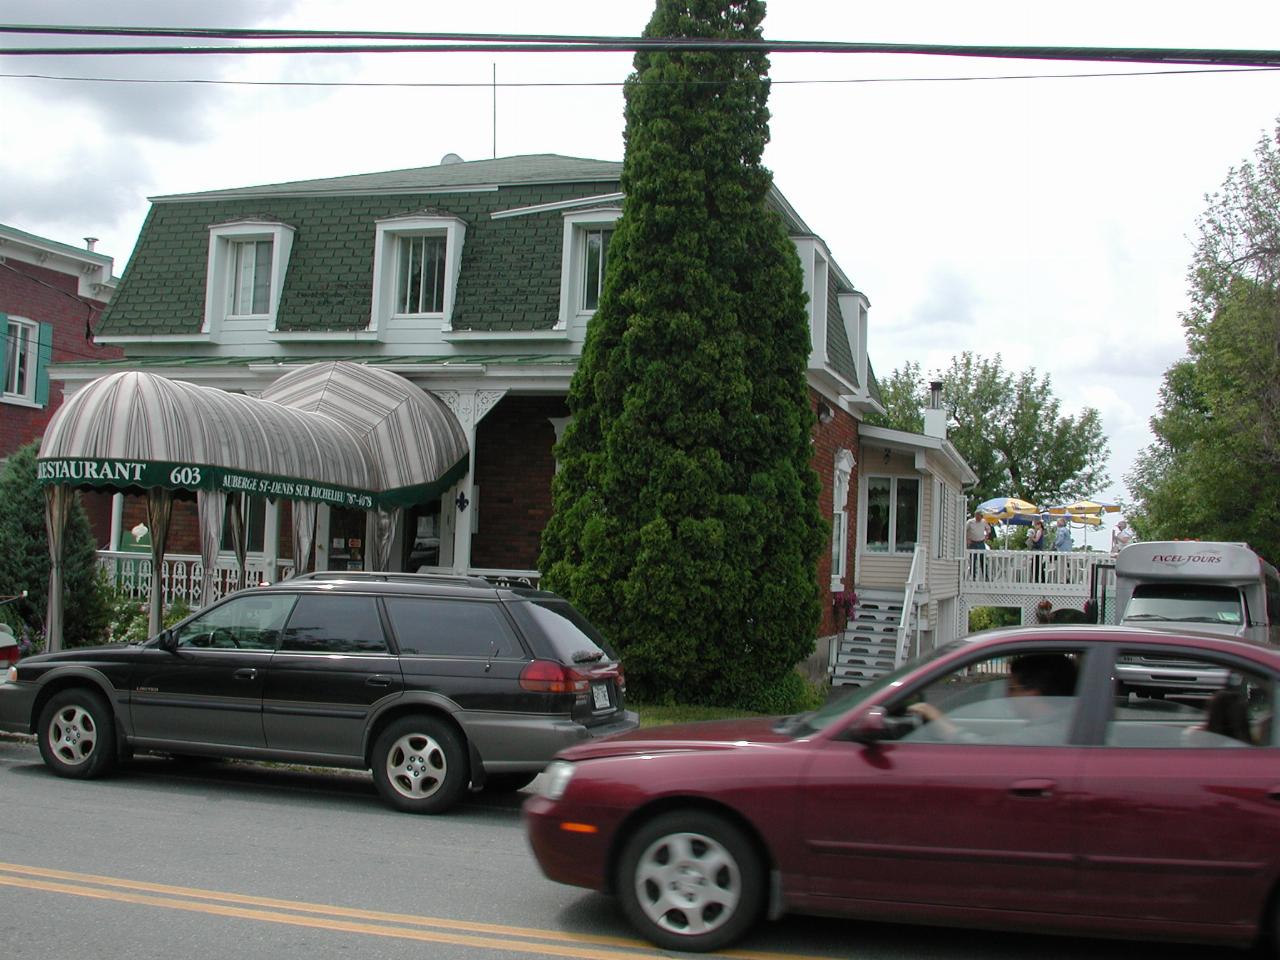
394	576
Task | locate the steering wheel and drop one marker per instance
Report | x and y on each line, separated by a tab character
223	637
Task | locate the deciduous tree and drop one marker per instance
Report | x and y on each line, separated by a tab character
1008	426
1213	472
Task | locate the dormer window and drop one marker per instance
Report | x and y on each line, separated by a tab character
586	254
251	278
595	250
420	287
247	263
416	261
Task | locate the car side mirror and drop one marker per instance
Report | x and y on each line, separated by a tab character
871	726
166	640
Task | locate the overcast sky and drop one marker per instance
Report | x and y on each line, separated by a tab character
1048	220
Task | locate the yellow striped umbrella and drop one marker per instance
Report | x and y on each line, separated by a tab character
1095	508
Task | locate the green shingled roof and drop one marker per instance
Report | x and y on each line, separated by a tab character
504	171
511	266
510	276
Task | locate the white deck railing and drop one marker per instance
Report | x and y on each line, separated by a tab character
915	578
1027	571
182	575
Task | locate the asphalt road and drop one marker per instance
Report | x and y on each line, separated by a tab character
187	860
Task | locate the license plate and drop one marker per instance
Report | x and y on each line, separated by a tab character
600	696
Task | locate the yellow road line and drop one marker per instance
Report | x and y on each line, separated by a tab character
161	895
304	907
297	920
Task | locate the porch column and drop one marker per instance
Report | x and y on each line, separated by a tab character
470	407
271	540
117	521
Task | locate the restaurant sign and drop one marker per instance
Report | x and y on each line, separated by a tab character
123	473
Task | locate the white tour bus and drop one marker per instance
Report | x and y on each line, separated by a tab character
1207	587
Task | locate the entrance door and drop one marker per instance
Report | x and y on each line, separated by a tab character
347	546
423	538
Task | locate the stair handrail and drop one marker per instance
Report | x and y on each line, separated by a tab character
914	579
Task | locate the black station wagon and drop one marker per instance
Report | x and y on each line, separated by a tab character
436	684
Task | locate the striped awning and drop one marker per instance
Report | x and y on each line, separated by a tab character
414	441
336	433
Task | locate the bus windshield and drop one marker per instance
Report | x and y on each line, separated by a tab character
1185	603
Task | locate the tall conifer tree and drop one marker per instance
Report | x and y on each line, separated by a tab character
686	521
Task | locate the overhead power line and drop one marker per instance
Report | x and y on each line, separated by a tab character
542	43
527	84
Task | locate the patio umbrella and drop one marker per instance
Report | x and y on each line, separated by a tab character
1085	513
1008	510
1095	508
1011	511
1082	519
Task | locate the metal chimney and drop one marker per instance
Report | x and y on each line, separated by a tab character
935	418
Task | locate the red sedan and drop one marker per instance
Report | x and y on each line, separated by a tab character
1004	781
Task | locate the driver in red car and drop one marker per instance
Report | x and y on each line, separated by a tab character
1041	687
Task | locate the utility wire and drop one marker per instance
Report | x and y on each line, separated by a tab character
518	84
92	308
534	43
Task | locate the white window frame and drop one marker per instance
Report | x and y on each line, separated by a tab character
386	268
572	276
30	361
893	515
853	314
251	527
220	275
840	481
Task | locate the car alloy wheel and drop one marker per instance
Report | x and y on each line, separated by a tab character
691	881
77	734
419	765
416	766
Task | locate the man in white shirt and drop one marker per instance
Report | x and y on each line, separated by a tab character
1121	537
976	532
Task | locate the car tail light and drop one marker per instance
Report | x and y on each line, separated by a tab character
9	655
547	676
622	678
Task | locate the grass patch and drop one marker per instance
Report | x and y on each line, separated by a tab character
655	715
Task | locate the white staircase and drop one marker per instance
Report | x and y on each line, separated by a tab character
865	651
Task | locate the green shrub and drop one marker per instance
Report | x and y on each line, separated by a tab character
791	693
129	616
991	618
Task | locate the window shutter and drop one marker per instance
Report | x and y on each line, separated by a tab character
4	351
44	355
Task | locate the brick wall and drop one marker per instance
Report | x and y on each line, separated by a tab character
828	440
514	467
184	523
46	296
49	296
